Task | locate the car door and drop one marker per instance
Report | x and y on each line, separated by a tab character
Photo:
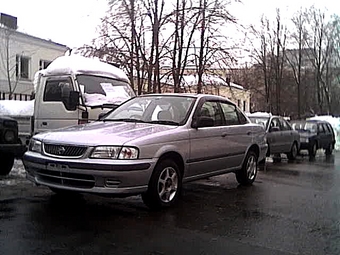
322	135
207	143
287	135
274	138
238	135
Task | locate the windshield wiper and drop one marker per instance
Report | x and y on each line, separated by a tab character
164	122
112	106
125	120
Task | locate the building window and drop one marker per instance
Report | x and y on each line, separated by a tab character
22	67
43	64
238	102
244	106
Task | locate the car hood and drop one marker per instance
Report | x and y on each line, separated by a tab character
102	133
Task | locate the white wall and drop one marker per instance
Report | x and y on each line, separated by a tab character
32	47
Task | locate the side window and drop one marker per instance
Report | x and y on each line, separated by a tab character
285	125
212	110
326	128
231	114
320	128
275	123
58	91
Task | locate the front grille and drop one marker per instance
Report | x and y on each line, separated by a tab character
64	150
82	181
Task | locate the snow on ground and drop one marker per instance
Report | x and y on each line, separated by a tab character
16	108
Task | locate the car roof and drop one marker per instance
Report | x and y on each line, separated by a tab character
193	95
311	121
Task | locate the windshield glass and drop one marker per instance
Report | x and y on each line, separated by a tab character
260	120
172	110
307	126
102	90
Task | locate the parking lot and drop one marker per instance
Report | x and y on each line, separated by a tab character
292	208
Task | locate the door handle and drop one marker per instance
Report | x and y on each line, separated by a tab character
224	134
44	123
249	133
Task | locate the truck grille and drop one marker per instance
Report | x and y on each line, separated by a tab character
64	151
82	181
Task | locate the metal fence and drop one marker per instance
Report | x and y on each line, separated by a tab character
15	96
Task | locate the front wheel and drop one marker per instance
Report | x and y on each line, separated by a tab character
247	174
6	163
293	152
164	186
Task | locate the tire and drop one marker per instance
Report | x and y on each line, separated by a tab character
6	163
293	152
277	158
312	150
329	150
164	187
247	174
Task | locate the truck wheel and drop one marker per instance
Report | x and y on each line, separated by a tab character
164	186
247	174
6	163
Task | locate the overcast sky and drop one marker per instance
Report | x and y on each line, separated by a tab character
74	22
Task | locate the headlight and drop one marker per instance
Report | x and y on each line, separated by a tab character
35	145
128	153
9	136
106	152
115	152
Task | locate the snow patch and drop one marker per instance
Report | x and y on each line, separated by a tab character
16	108
76	64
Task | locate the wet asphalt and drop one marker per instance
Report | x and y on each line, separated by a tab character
292	208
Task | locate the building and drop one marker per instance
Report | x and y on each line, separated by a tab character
21	56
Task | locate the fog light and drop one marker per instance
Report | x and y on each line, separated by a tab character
110	183
9	136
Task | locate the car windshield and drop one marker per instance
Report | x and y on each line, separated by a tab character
260	120
168	110
102	90
306	126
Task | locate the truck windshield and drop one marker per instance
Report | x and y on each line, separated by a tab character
98	90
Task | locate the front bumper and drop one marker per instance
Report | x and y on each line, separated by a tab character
17	150
114	177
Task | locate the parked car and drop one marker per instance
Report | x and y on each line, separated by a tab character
10	144
281	137
170	139
314	135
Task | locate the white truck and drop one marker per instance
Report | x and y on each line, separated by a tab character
72	90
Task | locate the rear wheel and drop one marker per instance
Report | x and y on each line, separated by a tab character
293	152
247	174
329	150
312	150
6	163
164	186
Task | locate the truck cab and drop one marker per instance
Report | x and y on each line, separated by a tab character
75	90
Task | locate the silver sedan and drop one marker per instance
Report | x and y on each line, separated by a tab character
149	145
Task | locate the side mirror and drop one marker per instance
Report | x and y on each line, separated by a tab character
274	129
73	101
203	121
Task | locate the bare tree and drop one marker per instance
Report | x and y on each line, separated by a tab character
8	59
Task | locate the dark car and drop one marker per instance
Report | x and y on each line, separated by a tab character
314	135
